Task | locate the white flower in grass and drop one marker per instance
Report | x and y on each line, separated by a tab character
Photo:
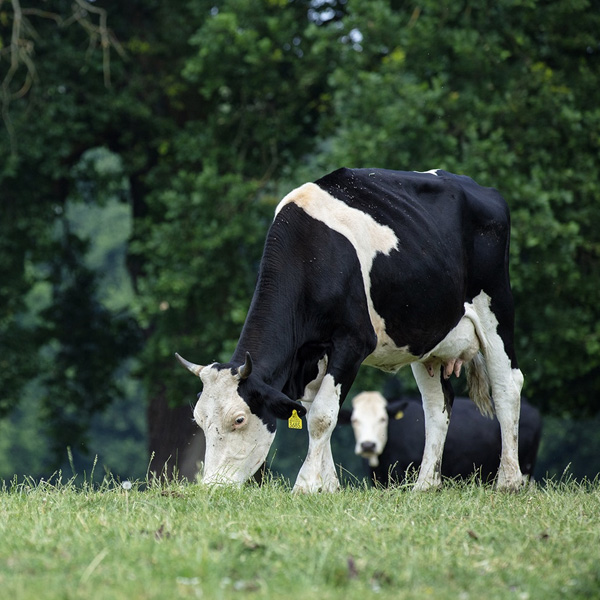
126	485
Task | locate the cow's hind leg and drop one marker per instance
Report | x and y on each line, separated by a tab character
508	407
437	418
506	382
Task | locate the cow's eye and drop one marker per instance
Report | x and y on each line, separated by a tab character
239	421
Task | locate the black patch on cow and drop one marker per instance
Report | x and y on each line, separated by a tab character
306	368
448	392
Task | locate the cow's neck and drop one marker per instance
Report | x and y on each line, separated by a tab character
270	336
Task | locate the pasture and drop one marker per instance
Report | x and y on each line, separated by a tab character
59	540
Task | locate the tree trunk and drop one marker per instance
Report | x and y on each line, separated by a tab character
176	443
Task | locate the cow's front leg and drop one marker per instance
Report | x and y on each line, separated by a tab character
317	473
436	428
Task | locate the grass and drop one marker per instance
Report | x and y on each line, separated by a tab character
58	540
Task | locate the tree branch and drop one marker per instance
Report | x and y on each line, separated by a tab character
19	53
21	48
107	40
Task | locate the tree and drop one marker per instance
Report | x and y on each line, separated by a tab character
81	101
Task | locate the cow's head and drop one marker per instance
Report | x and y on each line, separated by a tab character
237	412
370	425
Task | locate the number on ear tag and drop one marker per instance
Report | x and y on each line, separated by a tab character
295	422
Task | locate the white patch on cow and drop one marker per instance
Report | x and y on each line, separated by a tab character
237	441
317	473
370	425
368	238
430	172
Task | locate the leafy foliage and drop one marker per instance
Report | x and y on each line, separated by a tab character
84	345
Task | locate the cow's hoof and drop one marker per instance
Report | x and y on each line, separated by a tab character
429	488
316	487
511	487
510	480
427	485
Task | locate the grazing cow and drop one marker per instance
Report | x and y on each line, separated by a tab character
391	437
371	266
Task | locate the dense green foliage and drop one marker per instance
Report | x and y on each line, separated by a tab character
197	116
467	541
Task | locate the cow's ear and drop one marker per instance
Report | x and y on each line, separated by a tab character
395	408
344	416
282	407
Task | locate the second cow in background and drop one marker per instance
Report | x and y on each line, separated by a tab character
391	436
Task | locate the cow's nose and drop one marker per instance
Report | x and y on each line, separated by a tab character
368	446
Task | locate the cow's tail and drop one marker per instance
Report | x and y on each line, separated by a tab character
479	385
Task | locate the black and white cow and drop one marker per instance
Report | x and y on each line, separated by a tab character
378	267
391	437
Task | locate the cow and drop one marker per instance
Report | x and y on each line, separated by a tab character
386	268
391	437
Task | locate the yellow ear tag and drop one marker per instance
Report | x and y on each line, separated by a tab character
399	415
295	422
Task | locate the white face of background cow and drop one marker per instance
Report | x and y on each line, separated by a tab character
238	437
370	425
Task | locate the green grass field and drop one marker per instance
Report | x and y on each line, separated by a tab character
58	540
